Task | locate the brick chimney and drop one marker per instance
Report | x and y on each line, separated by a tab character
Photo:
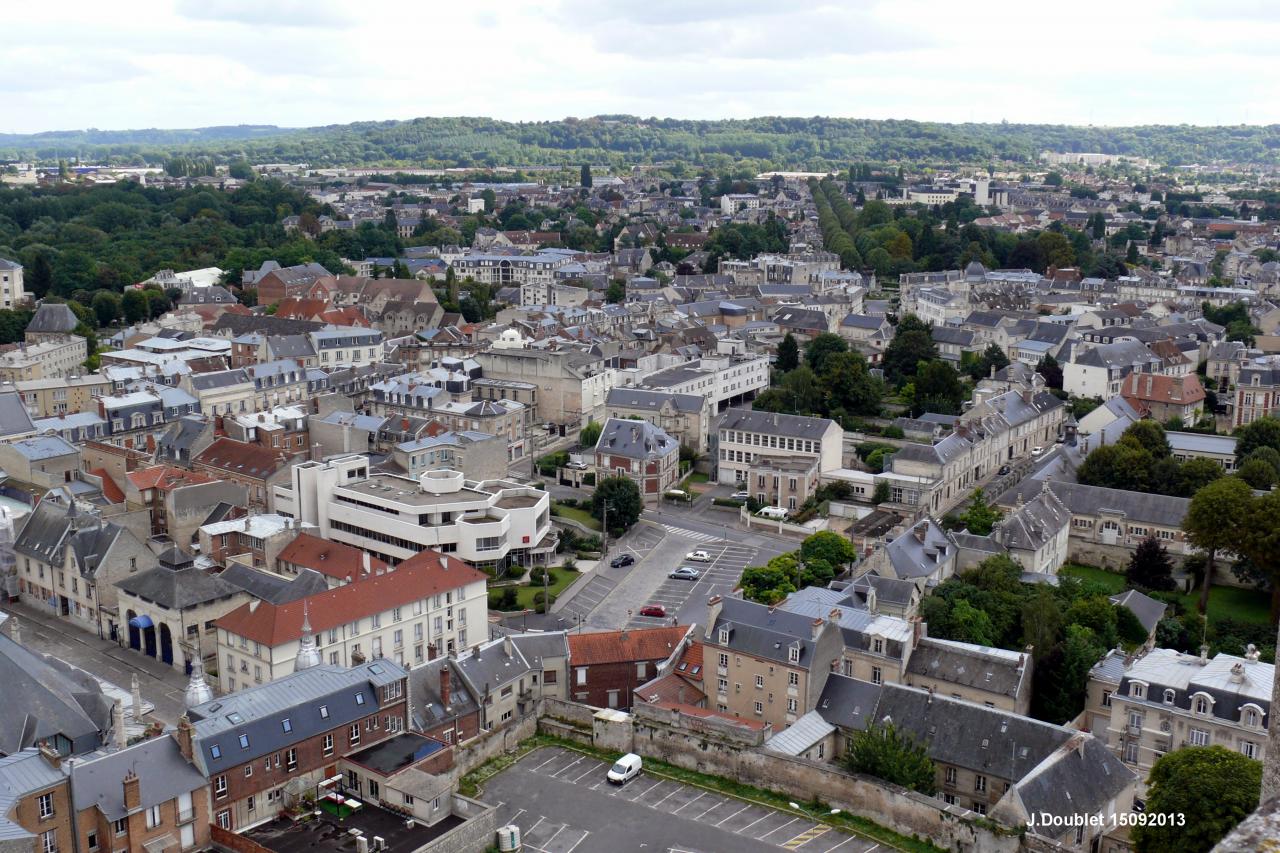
445	676
714	605
132	794
50	755
184	734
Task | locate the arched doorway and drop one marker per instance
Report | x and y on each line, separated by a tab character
135	633
166	644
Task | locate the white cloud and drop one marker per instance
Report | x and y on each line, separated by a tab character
207	62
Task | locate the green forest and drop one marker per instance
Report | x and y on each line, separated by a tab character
780	142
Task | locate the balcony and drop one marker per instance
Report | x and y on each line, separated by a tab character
1133	730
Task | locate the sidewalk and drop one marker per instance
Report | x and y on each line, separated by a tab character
163	686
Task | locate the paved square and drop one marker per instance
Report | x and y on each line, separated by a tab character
562	803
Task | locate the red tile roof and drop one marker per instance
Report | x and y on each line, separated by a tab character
165	477
109	488
335	559
419	577
671	689
237	457
1158	388
625	646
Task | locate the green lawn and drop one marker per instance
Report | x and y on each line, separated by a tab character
581	516
1247	605
524	594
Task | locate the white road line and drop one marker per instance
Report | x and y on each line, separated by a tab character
667	797
545	763
647	790
554	834
691	802
732	816
772	831
567	766
585	775
530	830
585	833
769	813
710	810
846	841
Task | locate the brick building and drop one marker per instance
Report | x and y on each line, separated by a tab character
606	667
641	452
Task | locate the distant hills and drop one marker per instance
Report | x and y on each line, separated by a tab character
779	142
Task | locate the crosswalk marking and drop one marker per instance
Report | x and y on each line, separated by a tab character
695	535
805	837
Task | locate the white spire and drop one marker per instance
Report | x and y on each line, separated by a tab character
198	690
308	654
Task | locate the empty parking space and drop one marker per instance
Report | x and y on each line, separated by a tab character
562	803
586	599
718	576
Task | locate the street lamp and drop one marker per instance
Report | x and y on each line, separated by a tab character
810	815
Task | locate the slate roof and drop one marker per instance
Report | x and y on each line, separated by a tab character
424	692
162	773
635	440
1148	610
988	669
801	735
765	632
912	557
770	423
177	590
1034	524
490	667
1159	510
1080	778
220	379
14	417
22	773
46	697
1167	669
256	714
272	587
639	398
53	318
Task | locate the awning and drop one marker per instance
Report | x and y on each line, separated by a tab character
141	622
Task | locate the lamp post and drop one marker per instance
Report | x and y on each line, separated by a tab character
811	815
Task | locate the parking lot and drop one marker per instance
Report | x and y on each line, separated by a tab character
563	804
638	543
728	559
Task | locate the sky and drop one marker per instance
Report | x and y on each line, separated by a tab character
298	63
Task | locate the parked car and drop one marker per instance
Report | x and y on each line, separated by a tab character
686	573
653	610
1037	452
622	561
739	496
577	466
698	556
626	769
1004	469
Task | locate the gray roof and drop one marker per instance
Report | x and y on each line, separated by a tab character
22	773
177	590
1079	781
771	423
1148	610
765	632
635	440
255	715
290	346
801	735
848	702
991	670
1035	523
1121	354
424	693
1196	442
42	447
949	335
273	588
46	697
14	418
53	318
489	668
639	398
858	626
1160	510
862	321
162	773
921	550
219	379
890	590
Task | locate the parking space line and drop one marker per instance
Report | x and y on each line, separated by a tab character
846	841
646	790
769	813
585	833
548	761
567	766
772	831
691	802
710	810
664	799
805	837
547	843
585	775
735	814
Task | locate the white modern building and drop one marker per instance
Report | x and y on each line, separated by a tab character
538	268
12	292
486	523
721	379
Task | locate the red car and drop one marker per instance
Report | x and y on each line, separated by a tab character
653	610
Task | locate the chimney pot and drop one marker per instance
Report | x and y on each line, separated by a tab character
445	685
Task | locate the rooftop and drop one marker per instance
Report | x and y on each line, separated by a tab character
326	833
393	754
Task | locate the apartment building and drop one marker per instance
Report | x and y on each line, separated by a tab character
1145	707
427	606
254	744
642	453
571	386
1257	393
346	346
1101	370
222	392
606	667
12	291
253	466
484	522
684	417
35	802
50	398
747	444
723	380
50	359
770	664
503	270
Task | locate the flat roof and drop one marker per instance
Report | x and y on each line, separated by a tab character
283	835
396	753
401	490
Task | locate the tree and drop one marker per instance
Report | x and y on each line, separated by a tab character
38	281
1268	455
800	388
1098	614
849	385
1205	791
1150	436
584	176
615	293
590	434
881	493
1131	631
971	625
1049	369
622	496
1257	473
1041	621
1264	432
766	584
107	307
1124	465
1195	474
912	343
937	389
882	751
828	547
1214	523
1062	675
821	348
135	305
980	517
1259	542
992	358
788	353
1150	566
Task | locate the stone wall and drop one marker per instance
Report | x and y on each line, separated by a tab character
572	712
225	839
478	750
476	835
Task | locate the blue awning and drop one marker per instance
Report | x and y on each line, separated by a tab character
142	622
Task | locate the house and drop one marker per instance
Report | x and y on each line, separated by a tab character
50	702
571	386
1036	533
68	562
747	443
996	678
1165	398
45	461
684	417
1100	371
12	291
426	607
222	392
253	744
52	321
1257	393
179	500
607	666
252	466
337	562
771	665
282	283
50	358
35	803
15	420
640	451
924	554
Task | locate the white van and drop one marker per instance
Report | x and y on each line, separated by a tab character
626	769
776	513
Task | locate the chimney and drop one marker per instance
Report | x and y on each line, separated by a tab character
50	755
117	724
136	692
1150	379
816	626
184	734
1237	673
714	605
917	630
506	646
920	530
445	675
132	795
1026	395
444	562
1204	654
365	563
931	689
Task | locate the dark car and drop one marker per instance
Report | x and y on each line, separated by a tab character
1004	469
653	610
622	560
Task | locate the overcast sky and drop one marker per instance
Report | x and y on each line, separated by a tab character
192	63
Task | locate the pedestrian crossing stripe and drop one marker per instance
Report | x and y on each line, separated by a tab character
805	837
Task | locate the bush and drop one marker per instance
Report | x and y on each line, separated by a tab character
589	478
514	571
541	602
725	502
893	432
569	566
503	598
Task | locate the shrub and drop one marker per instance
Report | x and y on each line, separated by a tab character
589	478
503	598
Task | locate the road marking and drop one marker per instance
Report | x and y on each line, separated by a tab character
545	763
585	775
710	810
691	802
735	814
846	841
554	834
585	833
769	813
772	831
647	790
667	797
805	837
567	766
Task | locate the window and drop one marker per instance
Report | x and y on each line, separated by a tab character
353	734
1248	749
1137	691
642	668
877	646
949	799
581	675
1106	698
1168	697
759	708
248	770
723	685
950	776
724	661
360	698
1251	717
93	840
793	653
286	724
290	760
46	806
980	783
792	705
328	745
1131	752
122	826
215	751
249	803
244	741
219	787
324	712
759	682
793	679
877	677
49	841
224	819
980	808
1202	705
408	799
153	817
1199	737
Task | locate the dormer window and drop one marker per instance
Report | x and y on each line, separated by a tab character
1168	697
1250	717
1137	691
1202	705
723	638
793	653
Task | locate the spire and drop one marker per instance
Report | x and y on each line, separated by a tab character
308	654
198	690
